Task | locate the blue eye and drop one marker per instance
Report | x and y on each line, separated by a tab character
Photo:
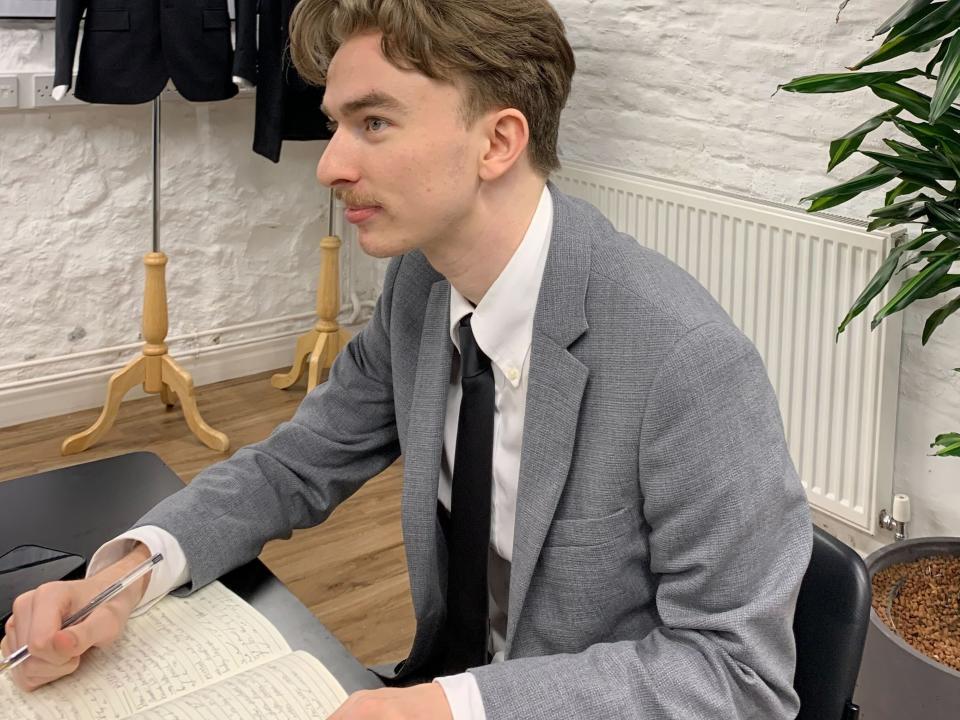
376	124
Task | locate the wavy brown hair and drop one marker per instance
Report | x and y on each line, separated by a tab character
502	53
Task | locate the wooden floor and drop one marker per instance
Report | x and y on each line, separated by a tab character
350	571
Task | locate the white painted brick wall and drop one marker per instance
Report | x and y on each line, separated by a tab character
679	89
242	234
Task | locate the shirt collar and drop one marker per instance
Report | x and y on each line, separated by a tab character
503	321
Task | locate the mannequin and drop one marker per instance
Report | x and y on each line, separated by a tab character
191	45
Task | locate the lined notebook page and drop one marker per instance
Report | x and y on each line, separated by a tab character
180	645
293	687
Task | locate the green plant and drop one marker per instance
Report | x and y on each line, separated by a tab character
922	167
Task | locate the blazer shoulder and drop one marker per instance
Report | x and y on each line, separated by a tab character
638	276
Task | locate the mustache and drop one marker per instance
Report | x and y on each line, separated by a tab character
352	198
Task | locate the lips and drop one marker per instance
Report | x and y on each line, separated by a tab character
356	215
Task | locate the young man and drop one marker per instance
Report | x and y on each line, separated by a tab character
600	514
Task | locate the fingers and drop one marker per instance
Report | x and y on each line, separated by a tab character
33	624
36	622
50	603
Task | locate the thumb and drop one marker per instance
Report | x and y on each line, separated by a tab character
100	628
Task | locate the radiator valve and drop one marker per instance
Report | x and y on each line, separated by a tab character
898	518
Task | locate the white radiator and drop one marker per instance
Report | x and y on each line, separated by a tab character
787	279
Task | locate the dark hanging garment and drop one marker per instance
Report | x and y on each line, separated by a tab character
287	108
131	48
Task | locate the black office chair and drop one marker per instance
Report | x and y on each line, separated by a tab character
830	627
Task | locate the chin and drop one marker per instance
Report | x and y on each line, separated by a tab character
380	247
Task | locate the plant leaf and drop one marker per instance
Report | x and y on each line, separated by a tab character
907	151
881	223
928	158
914	102
930	136
883	275
928	255
913	288
905	187
872	178
944	284
844	82
901	211
905	12
948	84
919	168
937	318
944	217
844	146
937	58
936	24
904	25
897	209
950	443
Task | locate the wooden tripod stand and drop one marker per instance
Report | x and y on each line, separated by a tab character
155	369
326	339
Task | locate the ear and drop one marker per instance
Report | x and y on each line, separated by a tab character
507	135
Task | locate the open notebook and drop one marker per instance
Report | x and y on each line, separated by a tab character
205	657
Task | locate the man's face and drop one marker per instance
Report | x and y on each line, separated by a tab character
401	158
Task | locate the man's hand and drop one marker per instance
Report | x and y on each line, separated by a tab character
38	614
419	702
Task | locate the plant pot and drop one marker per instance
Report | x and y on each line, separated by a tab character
897	682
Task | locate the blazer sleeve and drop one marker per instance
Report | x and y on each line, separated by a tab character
729	540
245	45
343	433
67	30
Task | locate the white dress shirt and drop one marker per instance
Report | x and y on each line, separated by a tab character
503	328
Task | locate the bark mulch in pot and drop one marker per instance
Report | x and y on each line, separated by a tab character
920	601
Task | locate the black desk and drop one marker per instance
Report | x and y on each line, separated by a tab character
77	509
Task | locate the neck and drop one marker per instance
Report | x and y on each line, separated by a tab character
489	236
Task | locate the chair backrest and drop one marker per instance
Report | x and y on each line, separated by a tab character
830	627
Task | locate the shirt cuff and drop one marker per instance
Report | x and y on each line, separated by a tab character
463	696
171	573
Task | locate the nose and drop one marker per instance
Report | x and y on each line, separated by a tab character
337	165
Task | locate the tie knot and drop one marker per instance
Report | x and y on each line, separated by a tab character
473	361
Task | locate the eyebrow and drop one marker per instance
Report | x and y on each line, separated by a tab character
372	100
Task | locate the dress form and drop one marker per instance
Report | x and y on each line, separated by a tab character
317	348
155	369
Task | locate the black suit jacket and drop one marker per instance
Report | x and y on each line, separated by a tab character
287	108
131	48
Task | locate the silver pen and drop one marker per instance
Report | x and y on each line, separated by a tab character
18	656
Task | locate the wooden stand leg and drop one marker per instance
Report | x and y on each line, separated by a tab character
119	385
167	395
158	372
182	384
305	346
326	339
324	353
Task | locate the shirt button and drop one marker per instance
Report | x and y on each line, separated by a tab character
513	374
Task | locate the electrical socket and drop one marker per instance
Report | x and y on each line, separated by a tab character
42	92
9	95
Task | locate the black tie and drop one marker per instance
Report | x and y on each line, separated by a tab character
469	536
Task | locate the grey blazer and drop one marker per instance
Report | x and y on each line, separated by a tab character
661	530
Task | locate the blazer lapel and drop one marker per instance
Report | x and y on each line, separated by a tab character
422	465
555	388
